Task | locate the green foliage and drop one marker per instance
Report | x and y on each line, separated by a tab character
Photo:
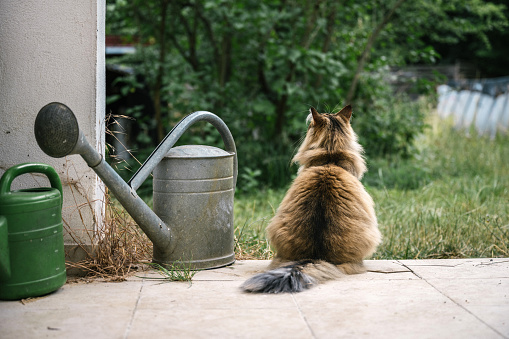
250	179
259	65
389	125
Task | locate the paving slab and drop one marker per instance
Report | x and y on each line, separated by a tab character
479	286
464	298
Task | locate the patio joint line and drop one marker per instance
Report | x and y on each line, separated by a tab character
456	303
129	325
303	316
411	270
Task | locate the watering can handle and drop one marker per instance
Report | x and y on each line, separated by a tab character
15	171
171	138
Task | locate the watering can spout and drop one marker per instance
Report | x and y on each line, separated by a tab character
57	133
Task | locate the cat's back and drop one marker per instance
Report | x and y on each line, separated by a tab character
325	209
323	197
328	181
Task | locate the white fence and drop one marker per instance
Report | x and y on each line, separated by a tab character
482	104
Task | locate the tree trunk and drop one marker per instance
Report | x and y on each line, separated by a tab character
282	104
225	61
367	50
306	41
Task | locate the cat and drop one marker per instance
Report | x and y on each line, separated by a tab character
326	224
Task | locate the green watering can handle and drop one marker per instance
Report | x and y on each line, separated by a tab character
13	172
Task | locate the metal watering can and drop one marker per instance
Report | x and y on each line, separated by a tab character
192	221
32	259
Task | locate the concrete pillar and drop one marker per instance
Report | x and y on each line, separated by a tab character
53	50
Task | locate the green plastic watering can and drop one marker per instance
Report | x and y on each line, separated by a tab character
32	258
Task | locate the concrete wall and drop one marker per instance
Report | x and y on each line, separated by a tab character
53	50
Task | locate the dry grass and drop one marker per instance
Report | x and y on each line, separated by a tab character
119	247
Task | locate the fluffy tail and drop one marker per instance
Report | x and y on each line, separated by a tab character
293	277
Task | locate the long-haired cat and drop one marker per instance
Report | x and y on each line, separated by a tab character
326	224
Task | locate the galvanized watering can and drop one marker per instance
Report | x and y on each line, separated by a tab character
32	259
192	221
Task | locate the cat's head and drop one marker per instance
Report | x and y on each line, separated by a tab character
331	134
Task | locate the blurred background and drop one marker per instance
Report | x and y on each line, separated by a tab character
260	65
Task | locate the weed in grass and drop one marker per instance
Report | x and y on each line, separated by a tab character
173	272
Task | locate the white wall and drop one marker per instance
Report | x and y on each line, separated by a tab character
53	50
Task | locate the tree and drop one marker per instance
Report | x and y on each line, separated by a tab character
367	49
253	61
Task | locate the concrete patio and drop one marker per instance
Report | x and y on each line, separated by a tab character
464	298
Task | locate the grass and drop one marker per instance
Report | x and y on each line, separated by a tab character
175	272
450	201
252	212
117	249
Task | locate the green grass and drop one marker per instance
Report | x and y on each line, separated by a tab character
252	213
450	201
175	272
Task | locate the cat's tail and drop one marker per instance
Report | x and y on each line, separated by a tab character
297	276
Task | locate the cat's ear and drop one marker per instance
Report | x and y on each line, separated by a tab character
317	117
345	113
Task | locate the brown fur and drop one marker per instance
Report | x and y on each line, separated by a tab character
326	224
